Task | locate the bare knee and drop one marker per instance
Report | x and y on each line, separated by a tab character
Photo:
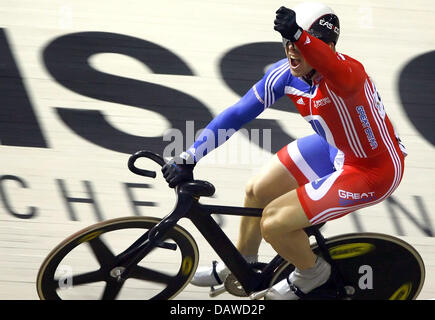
271	228
254	192
273	181
276	224
266	226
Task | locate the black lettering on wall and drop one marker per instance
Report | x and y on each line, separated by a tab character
424	226
66	58
69	200
136	203
417	94
18	123
5	199
356	221
241	68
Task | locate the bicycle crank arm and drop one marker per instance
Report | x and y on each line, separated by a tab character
258	295
215	292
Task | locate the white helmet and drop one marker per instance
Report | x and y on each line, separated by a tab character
318	20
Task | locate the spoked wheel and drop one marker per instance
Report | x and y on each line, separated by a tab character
373	266
83	265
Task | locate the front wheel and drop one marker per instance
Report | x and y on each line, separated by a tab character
82	266
373	267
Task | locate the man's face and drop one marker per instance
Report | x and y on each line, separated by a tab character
298	65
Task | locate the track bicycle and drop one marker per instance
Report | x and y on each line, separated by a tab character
160	257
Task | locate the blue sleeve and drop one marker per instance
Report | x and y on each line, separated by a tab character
263	94
272	86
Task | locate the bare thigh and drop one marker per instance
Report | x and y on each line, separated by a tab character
283	215
272	181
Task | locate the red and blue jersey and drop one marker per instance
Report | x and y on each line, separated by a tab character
341	104
354	159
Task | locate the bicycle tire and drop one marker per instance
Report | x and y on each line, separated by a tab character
49	287
396	269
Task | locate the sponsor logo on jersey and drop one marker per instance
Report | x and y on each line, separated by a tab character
354	195
321	102
367	128
351	198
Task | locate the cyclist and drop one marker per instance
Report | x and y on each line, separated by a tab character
353	160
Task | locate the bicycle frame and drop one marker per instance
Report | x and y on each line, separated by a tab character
187	206
200	215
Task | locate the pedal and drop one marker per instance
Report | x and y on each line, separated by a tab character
214	292
258	295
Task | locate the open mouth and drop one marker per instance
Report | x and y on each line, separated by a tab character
295	62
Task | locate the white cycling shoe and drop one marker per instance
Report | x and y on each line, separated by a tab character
300	282
214	275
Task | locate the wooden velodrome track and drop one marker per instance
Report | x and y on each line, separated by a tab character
86	83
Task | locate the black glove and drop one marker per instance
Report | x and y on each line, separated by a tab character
285	23
176	171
